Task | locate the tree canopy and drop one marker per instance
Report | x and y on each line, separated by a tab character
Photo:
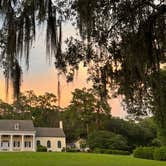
123	44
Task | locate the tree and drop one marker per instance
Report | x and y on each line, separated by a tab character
41	109
74	128
84	103
159	108
124	43
131	130
19	30
87	104
122	40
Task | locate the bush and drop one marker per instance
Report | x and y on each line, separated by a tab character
156	142
41	148
106	140
160	154
63	150
99	150
110	151
144	152
118	152
118	142
72	150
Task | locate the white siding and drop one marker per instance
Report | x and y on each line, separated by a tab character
54	143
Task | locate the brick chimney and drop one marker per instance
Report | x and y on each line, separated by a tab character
60	124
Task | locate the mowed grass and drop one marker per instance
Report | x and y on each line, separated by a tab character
72	159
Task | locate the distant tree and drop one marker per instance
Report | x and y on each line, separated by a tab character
74	128
87	104
84	103
131	130
47	101
41	109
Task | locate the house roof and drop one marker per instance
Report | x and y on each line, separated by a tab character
23	125
49	132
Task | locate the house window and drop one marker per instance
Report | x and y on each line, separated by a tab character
48	144
27	144
59	144
16	144
38	142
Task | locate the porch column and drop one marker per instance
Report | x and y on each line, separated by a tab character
11	142
34	143
22	143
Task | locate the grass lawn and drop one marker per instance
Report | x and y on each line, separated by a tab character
72	159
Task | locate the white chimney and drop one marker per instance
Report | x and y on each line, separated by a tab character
60	124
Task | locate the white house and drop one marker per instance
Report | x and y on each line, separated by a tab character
21	135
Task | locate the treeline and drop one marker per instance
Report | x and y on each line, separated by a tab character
86	118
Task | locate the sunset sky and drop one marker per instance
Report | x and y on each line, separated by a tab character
42	76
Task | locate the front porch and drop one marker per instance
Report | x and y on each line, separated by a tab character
13	142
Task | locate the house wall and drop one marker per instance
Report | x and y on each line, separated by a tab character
54	143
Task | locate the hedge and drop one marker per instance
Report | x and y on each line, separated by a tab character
72	150
110	151
41	148
144	152
160	154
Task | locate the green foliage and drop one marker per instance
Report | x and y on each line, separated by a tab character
162	135
72	150
118	142
144	152
151	153
160	154
110	151
41	148
156	142
84	105
41	109
131	131
106	140
99	139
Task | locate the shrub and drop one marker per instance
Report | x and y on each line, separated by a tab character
99	150
63	149
118	152
106	140
41	148
72	150
110	151
160	154
118	142
144	152
156	142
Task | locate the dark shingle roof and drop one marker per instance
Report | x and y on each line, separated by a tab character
49	132
9	125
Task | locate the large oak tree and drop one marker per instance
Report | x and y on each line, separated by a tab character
123	44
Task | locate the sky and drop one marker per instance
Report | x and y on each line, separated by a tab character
42	76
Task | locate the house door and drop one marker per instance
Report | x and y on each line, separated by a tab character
5	145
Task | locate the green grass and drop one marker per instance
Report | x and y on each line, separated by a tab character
72	159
